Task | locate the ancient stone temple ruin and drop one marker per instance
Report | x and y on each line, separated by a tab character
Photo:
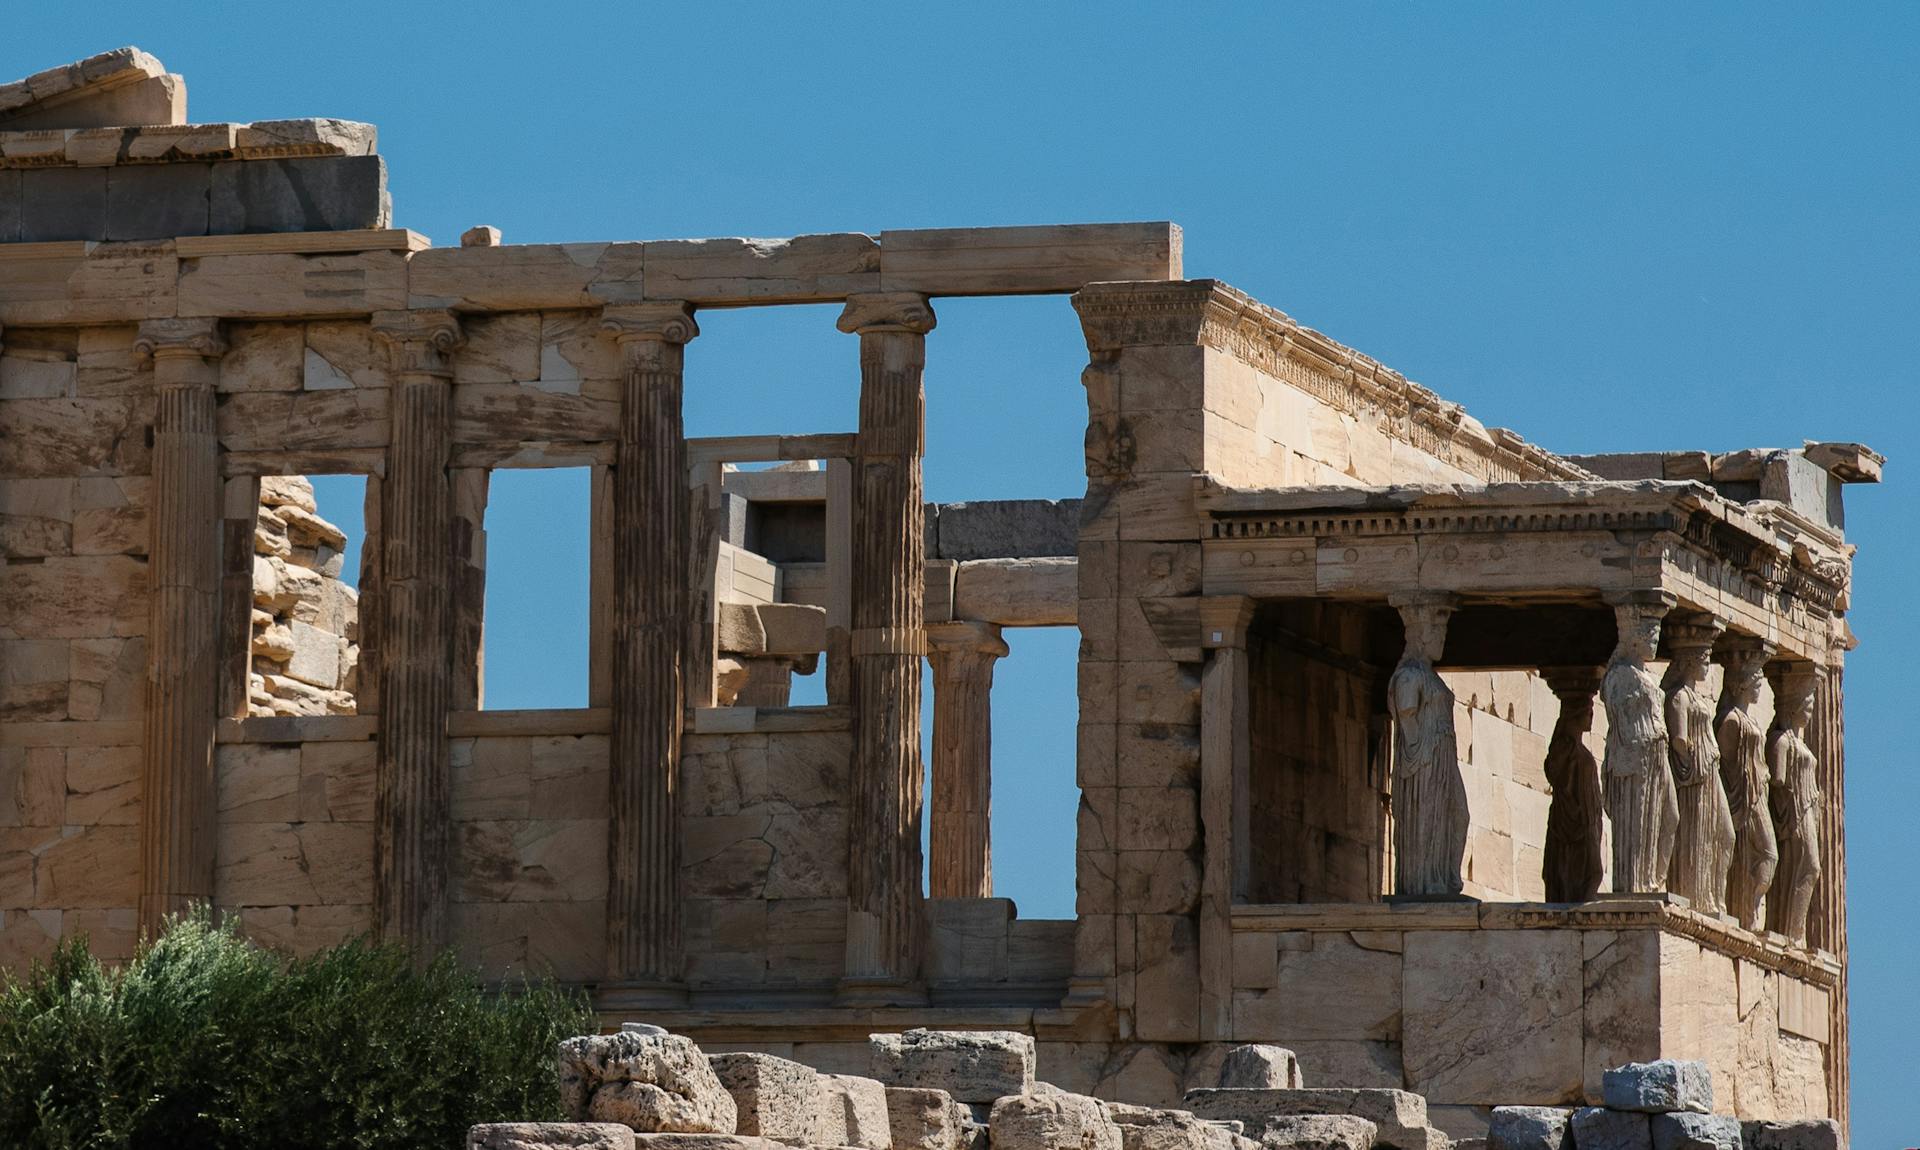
1451	764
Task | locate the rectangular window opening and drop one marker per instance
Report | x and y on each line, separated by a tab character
526	537
299	541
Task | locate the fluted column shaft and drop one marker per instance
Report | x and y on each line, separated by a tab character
650	570
887	643
178	801
1827	926
412	808
963	654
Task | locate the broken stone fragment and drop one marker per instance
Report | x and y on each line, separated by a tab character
549	1136
1805	1134
1399	1117
651	1083
853	1112
926	1119
773	1097
1597	1128
1688	1131
1260	1066
306	529
1530	1128
274	642
972	1065
312	137
1318	1132
1049	1118
288	491
704	1142
1661	1087
1145	1128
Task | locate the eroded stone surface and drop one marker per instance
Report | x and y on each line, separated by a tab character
549	1136
925	1119
1052	1119
1318	1132
1257	1066
1806	1134
971	1065
1530	1128
651	1083
773	1097
1659	1087
1597	1128
1689	1131
853	1112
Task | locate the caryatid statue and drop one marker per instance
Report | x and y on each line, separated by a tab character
1575	859
1703	842
1638	782
1743	769
1429	793
1796	801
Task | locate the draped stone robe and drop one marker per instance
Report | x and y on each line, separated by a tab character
1429	794
1639	784
1574	861
1743	769
1797	803
1703	839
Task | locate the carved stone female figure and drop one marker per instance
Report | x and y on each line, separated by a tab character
1575	859
1429	794
1703	841
1797	802
1743	768
1638	783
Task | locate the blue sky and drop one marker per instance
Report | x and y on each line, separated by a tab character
1612	227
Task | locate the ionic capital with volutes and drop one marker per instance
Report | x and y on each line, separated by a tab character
421	341
887	311
1693	632
657	321
965	637
169	338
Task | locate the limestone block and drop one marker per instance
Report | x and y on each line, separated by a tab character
1318	1132
798	269
648	1082
1595	1128
967	941
972	1066
277	864
307	137
1400	1117
530	860
1660	1087
301	930
1256	1066
1146	1128
1521	1036
772	1097
1003	529
98	867
1687	1131
1335	990
860	1105
299	194
315	657
63	204
1530	1128
158	201
258	782
924	1119
703	1142
549	1136
1805	1134
89	597
103	786
1052	1119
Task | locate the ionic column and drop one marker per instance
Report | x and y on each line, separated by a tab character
650	570
1638	781
963	654
1827	922
411	801
1575	859
1226	748
886	645
178	804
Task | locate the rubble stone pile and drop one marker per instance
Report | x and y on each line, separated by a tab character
1664	1105
306	620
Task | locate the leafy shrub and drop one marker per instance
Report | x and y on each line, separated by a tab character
207	1041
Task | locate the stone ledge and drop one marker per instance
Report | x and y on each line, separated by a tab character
173	143
555	721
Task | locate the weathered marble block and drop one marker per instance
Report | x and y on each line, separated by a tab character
1596	1128
1052	1119
773	1097
1318	1132
1661	1087
1399	1117
1530	1128
655	1083
853	1112
549	1136
1257	1066
1145	1128
1688	1131
973	1066
924	1119
1806	1134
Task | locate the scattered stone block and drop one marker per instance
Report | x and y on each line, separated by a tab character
1689	1131
972	1065
549	1136
926	1119
1145	1128
1597	1128
1257	1066
1530	1128
853	1113
772	1097
483	236
1806	1134
1399	1117
299	194
1318	1132
1661	1087
1049	1118
704	1142
655	1083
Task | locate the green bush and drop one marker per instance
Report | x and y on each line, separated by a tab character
207	1041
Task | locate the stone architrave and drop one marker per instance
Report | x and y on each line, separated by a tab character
1703	841
1638	782
1575	856
1429	794
1796	801
651	567
887	643
1743	769
412	796
962	654
178	803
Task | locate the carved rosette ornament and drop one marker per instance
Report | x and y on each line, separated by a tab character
1743	769
1638	782
1430	813
1798	806
1703	842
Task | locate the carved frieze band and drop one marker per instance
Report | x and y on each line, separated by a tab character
1211	314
